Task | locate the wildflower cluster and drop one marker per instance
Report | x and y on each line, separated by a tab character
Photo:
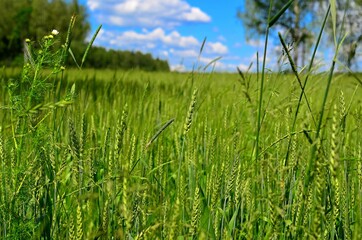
37	57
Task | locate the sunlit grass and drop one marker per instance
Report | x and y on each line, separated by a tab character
138	155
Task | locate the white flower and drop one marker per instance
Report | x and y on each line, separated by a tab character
55	32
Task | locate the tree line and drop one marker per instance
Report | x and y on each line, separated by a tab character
100	57
34	19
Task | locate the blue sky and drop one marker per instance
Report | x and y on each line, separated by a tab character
174	30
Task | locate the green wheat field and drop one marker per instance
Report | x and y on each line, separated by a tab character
90	168
108	154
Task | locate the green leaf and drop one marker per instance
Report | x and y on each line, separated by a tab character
202	46
233	220
274	19
211	62
339	44
72	55
72	90
90	45
334	19
168	123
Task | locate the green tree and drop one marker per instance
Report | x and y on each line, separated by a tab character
13	27
100	57
81	31
56	14
293	22
349	24
36	18
299	20
39	22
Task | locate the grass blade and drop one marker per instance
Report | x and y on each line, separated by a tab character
68	39
259	112
168	123
294	69
73	57
211	62
304	86
241	74
274	19
202	45
90	45
27	55
312	160
353	74
334	19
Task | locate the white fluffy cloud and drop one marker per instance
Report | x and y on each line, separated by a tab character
173	42
185	53
158	36
254	43
146	13
216	47
243	67
170	45
178	68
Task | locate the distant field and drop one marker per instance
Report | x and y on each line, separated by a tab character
166	155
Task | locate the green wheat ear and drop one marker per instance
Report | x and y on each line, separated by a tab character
79	223
190	113
196	212
66	46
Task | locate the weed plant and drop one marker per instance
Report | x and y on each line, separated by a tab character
132	155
